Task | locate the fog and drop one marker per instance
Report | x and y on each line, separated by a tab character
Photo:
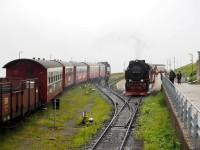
89	30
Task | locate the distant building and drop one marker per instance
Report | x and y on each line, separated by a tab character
160	67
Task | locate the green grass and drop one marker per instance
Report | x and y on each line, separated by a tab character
154	125
115	76
187	71
37	132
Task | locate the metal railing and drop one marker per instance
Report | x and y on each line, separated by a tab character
186	111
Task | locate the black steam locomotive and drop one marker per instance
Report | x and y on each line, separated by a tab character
138	76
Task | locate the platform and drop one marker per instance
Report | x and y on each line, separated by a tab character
121	85
191	91
157	84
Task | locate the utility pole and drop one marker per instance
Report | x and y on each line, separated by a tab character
191	61
167	65
170	63
124	65
198	71
50	56
174	62
20	52
177	63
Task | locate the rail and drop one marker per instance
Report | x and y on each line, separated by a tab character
186	111
114	104
130	124
109	125
115	81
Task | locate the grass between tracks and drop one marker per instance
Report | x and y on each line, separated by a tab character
154	125
37	132
115	76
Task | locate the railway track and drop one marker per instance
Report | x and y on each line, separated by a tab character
115	81
116	133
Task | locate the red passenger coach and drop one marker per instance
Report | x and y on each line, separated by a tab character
92	71
68	76
49	74
102	70
80	72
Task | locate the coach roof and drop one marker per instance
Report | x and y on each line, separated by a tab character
91	63
64	63
44	63
77	63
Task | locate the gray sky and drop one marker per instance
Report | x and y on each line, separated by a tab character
91	30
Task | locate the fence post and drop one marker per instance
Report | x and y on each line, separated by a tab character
195	130
181	108
178	102
179	105
172	94
185	114
189	125
175	97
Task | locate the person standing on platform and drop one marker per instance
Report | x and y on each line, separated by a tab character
172	76
179	76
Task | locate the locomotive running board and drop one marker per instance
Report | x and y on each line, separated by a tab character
135	94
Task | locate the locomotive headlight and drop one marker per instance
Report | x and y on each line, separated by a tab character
141	80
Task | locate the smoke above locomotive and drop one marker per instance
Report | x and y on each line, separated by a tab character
138	76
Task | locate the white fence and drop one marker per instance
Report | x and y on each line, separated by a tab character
186	111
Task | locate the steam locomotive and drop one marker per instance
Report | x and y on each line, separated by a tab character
139	75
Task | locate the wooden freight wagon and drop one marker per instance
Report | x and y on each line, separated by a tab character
17	97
